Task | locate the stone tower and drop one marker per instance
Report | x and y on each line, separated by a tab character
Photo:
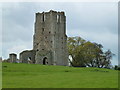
49	40
13	57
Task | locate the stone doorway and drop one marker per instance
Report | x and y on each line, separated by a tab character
29	60
45	61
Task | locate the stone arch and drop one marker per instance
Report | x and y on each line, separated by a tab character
29	58
45	61
44	57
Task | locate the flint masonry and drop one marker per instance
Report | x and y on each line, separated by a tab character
49	40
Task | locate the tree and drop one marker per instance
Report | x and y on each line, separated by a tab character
117	67
85	53
74	47
107	56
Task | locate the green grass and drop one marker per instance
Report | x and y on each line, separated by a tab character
43	76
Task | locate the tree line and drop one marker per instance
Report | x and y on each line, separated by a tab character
88	54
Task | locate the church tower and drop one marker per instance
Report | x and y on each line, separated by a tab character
50	40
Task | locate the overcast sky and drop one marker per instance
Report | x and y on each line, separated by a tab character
93	21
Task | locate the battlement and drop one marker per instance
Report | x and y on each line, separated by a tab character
51	15
51	11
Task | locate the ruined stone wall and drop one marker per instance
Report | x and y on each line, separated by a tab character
12	58
26	56
60	40
50	38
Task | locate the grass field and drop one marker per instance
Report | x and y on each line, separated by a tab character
41	76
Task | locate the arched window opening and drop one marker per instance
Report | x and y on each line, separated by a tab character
57	18
45	62
43	18
29	58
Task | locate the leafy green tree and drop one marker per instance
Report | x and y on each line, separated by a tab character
107	56
90	52
74	48
85	53
116	67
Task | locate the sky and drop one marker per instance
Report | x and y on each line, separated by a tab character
93	21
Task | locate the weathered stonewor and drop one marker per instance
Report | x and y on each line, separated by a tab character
12	58
49	40
27	56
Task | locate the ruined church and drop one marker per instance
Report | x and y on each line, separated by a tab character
49	40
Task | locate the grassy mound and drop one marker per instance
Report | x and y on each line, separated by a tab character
43	76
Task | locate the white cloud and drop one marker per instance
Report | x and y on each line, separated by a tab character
106	38
59	0
15	47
